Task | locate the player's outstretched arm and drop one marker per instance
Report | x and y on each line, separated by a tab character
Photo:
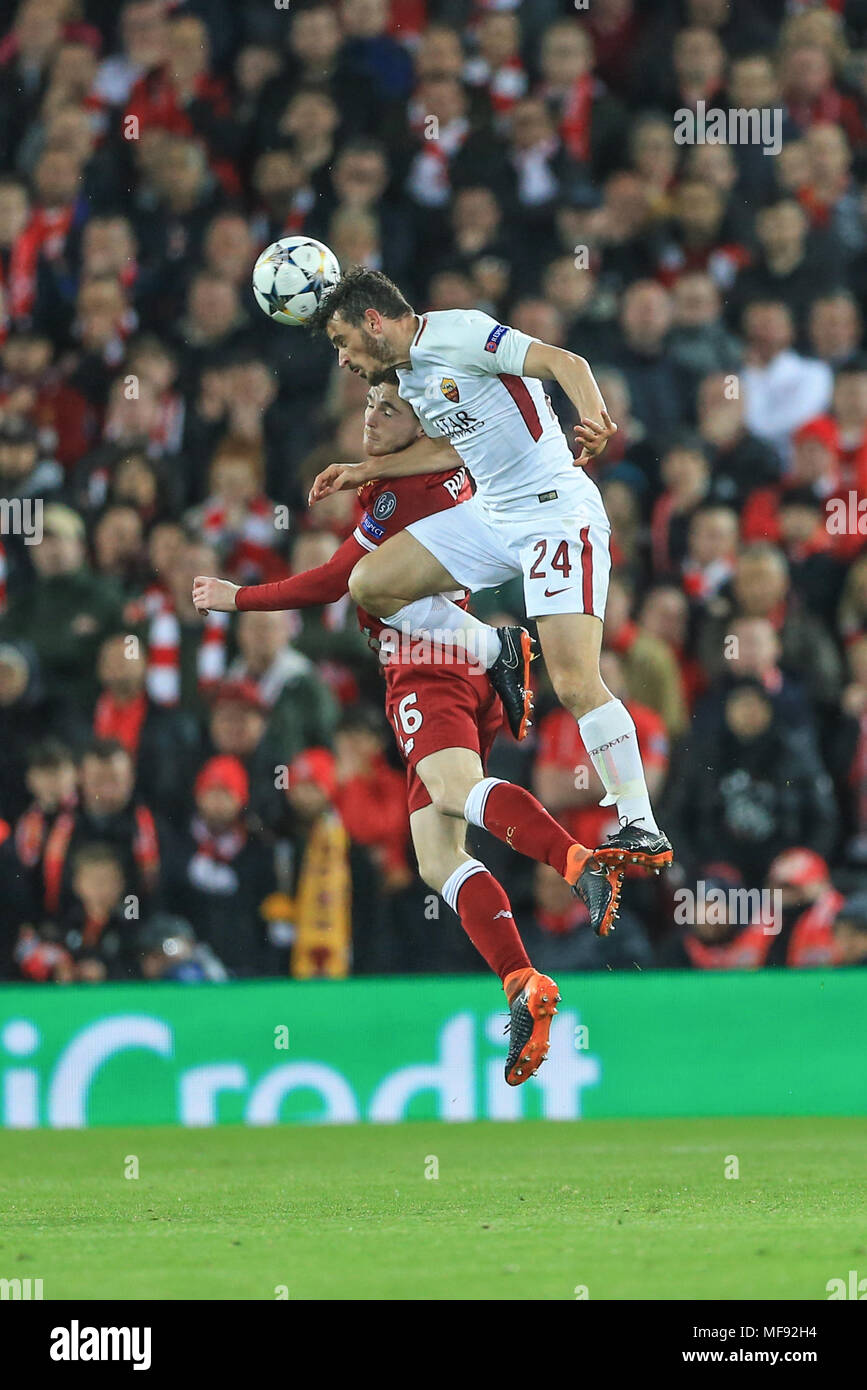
573	374
424	455
324	584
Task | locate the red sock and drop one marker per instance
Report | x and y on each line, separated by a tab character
486	917
514	815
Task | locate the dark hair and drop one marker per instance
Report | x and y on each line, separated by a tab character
49	754
755	55
801	497
388	377
96	852
856	364
357	291
686	441
740	685
9	180
362	719
363	144
104	749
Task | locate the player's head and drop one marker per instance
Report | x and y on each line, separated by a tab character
389	423
368	320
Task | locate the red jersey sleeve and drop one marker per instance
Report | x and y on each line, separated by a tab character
324	584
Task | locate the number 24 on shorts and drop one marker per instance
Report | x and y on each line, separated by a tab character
559	561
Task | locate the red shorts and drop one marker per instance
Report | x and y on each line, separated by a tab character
436	707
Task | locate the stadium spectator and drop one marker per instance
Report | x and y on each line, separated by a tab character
761	588
163	741
95	930
223	873
656	387
782	389
788	269
303	713
741	461
834	328
756	790
371	796
809	904
51	778
108	813
168	950
721	929
65	609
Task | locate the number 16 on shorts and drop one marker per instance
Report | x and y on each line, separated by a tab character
409	721
567	573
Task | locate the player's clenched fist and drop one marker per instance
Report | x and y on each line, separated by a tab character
337	477
214	595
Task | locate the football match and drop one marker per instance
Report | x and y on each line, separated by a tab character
433	721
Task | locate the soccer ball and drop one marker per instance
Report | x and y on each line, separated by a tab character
291	277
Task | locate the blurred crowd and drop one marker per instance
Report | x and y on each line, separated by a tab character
193	797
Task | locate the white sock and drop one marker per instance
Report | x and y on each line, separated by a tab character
612	743
456	880
474	810
438	615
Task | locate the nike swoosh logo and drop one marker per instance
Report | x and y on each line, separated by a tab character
550	593
510	658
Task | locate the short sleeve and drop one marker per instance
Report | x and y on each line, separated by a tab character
488	346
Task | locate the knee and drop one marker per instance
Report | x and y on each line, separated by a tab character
447	798
435	869
449	789
579	693
362	585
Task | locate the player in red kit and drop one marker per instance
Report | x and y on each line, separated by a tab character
446	716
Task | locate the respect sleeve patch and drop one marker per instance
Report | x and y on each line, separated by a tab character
496	337
370	526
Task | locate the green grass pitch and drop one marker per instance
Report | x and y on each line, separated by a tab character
637	1209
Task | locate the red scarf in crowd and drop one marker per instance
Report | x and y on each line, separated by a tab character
505	85
430	168
31	831
145	849
223	847
44	235
121	722
17	282
576	119
164	653
748	950
254	548
812	941
660	523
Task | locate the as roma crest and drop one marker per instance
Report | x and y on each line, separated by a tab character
449	389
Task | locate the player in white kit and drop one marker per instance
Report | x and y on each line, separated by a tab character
477	384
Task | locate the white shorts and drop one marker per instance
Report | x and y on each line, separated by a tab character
560	546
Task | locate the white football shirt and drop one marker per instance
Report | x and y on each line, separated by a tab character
465	382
